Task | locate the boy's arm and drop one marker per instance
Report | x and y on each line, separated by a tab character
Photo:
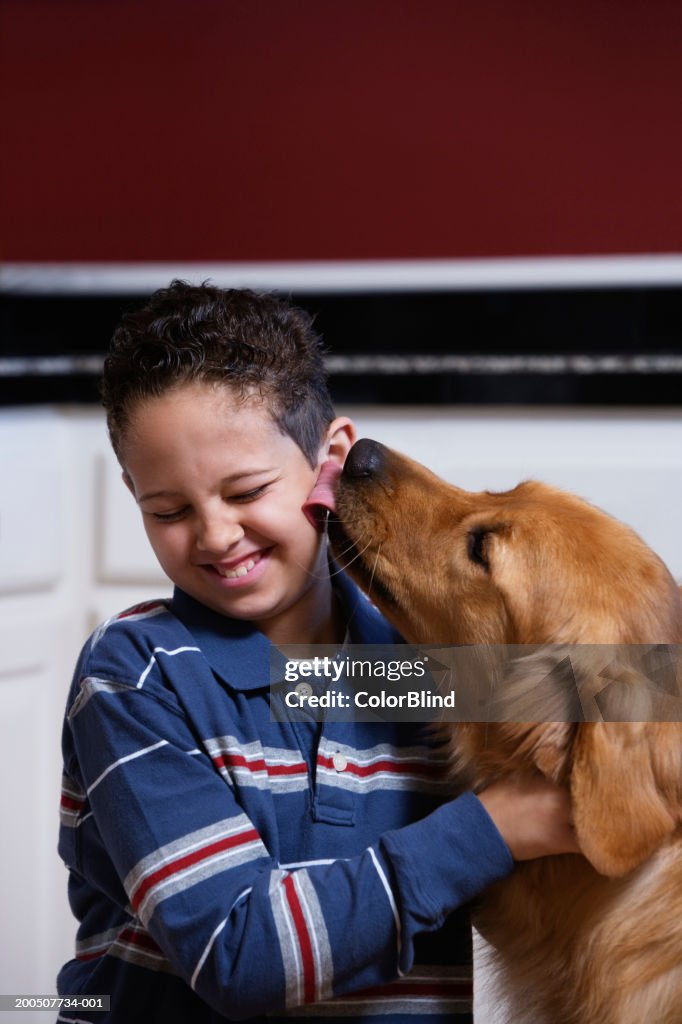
251	936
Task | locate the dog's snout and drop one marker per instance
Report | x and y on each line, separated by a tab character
365	459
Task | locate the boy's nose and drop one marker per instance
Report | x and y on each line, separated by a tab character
217	535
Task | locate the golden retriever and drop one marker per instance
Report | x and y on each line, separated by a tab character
578	940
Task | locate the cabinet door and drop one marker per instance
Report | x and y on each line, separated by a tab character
35	631
38	933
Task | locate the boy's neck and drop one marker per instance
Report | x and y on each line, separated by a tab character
317	618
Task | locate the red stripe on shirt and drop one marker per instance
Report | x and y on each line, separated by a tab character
304	942
137	938
397	767
260	765
71	802
189	859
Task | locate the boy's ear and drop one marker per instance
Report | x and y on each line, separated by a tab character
339	439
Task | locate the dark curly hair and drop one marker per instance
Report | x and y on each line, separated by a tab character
247	341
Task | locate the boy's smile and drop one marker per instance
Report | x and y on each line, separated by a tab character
221	489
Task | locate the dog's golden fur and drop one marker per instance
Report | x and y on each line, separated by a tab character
579	940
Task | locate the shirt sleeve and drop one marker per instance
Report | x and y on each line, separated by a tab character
162	834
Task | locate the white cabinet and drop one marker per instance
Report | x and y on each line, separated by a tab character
35	604
69	556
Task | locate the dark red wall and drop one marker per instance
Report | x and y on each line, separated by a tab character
342	129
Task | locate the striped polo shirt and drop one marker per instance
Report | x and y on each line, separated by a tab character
224	865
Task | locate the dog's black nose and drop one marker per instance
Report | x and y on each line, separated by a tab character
366	458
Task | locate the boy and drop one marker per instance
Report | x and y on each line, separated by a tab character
223	865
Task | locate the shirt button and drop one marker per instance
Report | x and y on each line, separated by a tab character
339	761
304	689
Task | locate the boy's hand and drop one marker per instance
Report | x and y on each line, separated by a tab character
532	815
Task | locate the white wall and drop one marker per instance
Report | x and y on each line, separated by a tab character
72	551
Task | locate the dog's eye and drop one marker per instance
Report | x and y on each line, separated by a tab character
476	546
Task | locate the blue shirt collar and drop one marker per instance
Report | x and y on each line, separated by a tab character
240	654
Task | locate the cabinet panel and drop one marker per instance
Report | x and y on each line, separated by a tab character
38	932
123	551
32	524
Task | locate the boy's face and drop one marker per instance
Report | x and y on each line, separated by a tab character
220	490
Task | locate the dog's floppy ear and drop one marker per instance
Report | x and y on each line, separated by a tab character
626	790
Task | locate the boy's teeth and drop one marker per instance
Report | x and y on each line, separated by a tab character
241	570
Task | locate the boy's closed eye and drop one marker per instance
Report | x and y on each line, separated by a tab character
169	517
243	498
248	495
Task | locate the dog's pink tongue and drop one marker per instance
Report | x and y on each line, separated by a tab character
322	499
